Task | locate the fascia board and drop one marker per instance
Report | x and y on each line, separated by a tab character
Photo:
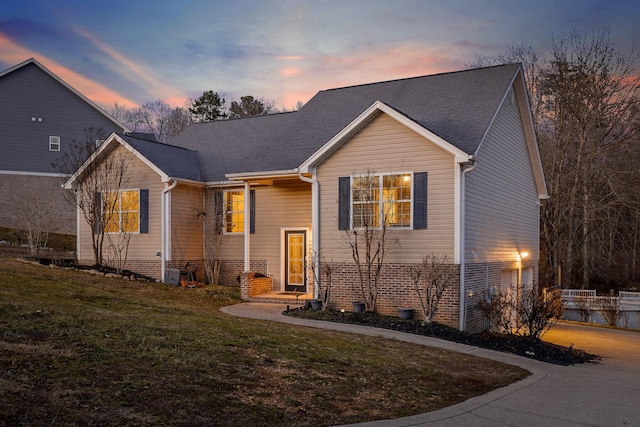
532	140
147	162
287	173
517	82
107	145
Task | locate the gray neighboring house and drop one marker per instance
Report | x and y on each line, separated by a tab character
40	117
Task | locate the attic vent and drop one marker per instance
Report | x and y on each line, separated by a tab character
512	95
99	142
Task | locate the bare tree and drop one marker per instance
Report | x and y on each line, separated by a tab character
585	96
177	121
537	313
430	280
151	117
590	92
154	117
98	178
295	107
35	218
609	307
583	307
319	267
212	219
498	310
367	236
121	222
531	314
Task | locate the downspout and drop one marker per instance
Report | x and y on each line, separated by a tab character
165	208
315	223
247	227
466	168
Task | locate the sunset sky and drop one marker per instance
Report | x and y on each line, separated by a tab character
134	51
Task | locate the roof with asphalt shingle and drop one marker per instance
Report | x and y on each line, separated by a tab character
176	162
458	107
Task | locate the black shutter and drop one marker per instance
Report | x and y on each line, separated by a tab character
252	211
144	211
344	202
419	200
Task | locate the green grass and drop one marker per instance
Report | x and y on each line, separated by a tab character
81	349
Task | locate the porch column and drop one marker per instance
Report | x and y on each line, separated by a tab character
247	227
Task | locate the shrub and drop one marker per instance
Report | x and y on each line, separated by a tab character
530	315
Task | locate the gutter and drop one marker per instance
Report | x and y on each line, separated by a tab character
465	168
166	225
315	223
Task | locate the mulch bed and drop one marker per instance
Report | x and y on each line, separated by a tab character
521	346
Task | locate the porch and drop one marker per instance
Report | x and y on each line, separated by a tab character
260	289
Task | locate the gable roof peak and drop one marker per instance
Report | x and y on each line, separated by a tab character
65	84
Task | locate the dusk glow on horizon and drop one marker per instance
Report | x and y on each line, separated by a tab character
282	50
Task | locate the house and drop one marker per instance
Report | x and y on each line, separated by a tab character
40	117
454	154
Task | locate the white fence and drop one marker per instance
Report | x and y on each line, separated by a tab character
587	299
585	305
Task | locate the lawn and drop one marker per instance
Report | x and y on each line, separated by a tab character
80	349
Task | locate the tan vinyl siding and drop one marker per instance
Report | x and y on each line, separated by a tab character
141	246
186	230
285	204
502	213
386	146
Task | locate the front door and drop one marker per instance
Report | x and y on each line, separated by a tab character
295	265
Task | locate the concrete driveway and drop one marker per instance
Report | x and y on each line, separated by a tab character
604	394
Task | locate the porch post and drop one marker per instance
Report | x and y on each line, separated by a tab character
247	227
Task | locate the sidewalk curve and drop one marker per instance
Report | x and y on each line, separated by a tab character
606	394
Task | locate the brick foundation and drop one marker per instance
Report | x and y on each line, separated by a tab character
230	270
251	286
396	290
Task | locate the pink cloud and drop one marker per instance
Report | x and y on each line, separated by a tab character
363	66
129	69
290	71
14	53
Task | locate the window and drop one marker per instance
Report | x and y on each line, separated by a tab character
122	211
382	198
54	143
234	211
396	200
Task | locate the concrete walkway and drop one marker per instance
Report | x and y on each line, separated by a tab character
605	394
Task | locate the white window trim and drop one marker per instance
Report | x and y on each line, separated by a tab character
54	141
120	211
381	201
224	214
